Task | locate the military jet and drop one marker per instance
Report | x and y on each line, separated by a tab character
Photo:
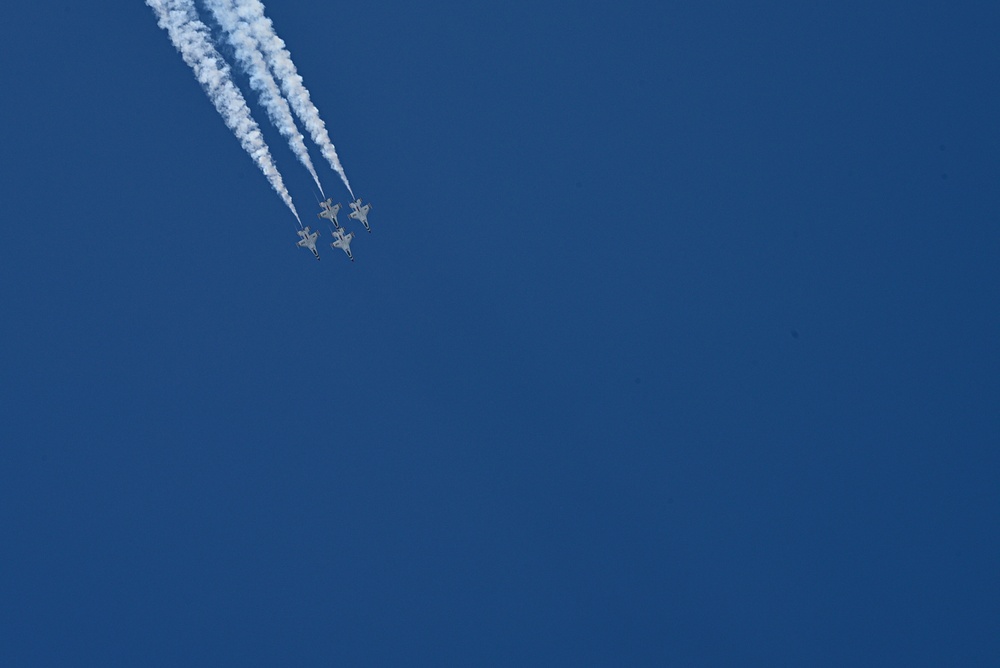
308	240
360	213
343	241
330	211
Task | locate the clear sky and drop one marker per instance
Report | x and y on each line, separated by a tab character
675	341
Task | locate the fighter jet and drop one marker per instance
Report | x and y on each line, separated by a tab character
360	213
308	240
330	211
343	241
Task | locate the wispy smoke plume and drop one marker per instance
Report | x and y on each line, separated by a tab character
280	61
252	61
191	38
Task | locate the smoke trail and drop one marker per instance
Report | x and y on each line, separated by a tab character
277	56
252	61
190	37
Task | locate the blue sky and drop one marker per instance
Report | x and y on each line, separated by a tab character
674	343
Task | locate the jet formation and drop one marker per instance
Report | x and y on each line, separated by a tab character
264	58
341	239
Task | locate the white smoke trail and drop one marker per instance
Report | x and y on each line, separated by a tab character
280	60
191	38
252	61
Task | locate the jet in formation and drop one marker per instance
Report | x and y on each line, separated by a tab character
360	213
343	241
329	211
308	240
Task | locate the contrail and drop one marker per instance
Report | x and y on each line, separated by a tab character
277	56
191	38
252	61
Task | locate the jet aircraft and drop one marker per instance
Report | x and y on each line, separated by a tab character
343	241
330	211
308	240
360	213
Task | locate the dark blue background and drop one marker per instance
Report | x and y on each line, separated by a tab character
674	343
